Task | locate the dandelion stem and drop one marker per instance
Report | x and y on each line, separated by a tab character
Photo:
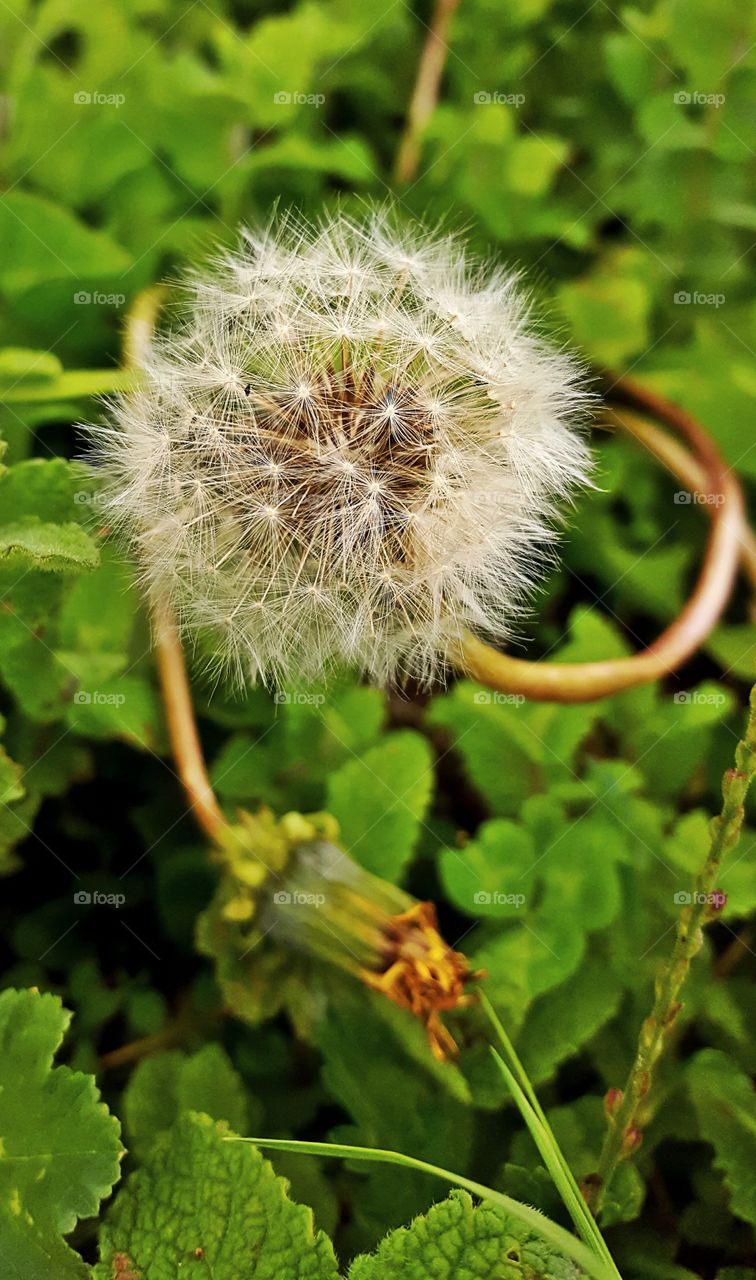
425	93
182	726
623	1133
174	682
586	681
682	464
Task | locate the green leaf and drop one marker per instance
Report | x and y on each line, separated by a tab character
43	241
165	1086
214	1205
60	1149
493	874
124	707
50	547
380	800
456	1239
13	827
725	1104
609	313
19	365
524	960
562	1020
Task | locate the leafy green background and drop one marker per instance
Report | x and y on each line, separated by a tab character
134	135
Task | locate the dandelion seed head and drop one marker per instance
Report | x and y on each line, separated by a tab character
352	448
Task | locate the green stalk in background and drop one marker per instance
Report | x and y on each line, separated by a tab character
623	1134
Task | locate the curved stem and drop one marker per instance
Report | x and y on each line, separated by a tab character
426	90
531	1218
682	464
182	726
140	324
623	1134
169	656
584	682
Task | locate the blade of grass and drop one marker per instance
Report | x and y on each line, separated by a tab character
532	1113
550	1231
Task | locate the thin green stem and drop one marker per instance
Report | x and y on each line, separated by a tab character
623	1133
531	1218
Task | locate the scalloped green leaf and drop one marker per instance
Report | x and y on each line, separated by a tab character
161	1088
202	1199
380	799
59	1146
725	1104
456	1241
52	547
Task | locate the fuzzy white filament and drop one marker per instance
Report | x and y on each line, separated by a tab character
350	451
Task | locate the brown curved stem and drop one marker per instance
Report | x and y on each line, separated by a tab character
169	656
586	681
182	726
426	91
683	465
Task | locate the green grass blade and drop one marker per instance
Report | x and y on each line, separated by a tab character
550	1231
540	1130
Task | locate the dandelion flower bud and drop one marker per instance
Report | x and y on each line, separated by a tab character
351	450
285	881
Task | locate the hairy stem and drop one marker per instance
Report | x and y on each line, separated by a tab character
587	681
623	1133
425	93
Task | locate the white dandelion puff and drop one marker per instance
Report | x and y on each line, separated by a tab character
352	449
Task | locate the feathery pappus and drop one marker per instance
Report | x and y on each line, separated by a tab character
351	449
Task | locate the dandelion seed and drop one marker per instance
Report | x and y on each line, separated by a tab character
376	442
